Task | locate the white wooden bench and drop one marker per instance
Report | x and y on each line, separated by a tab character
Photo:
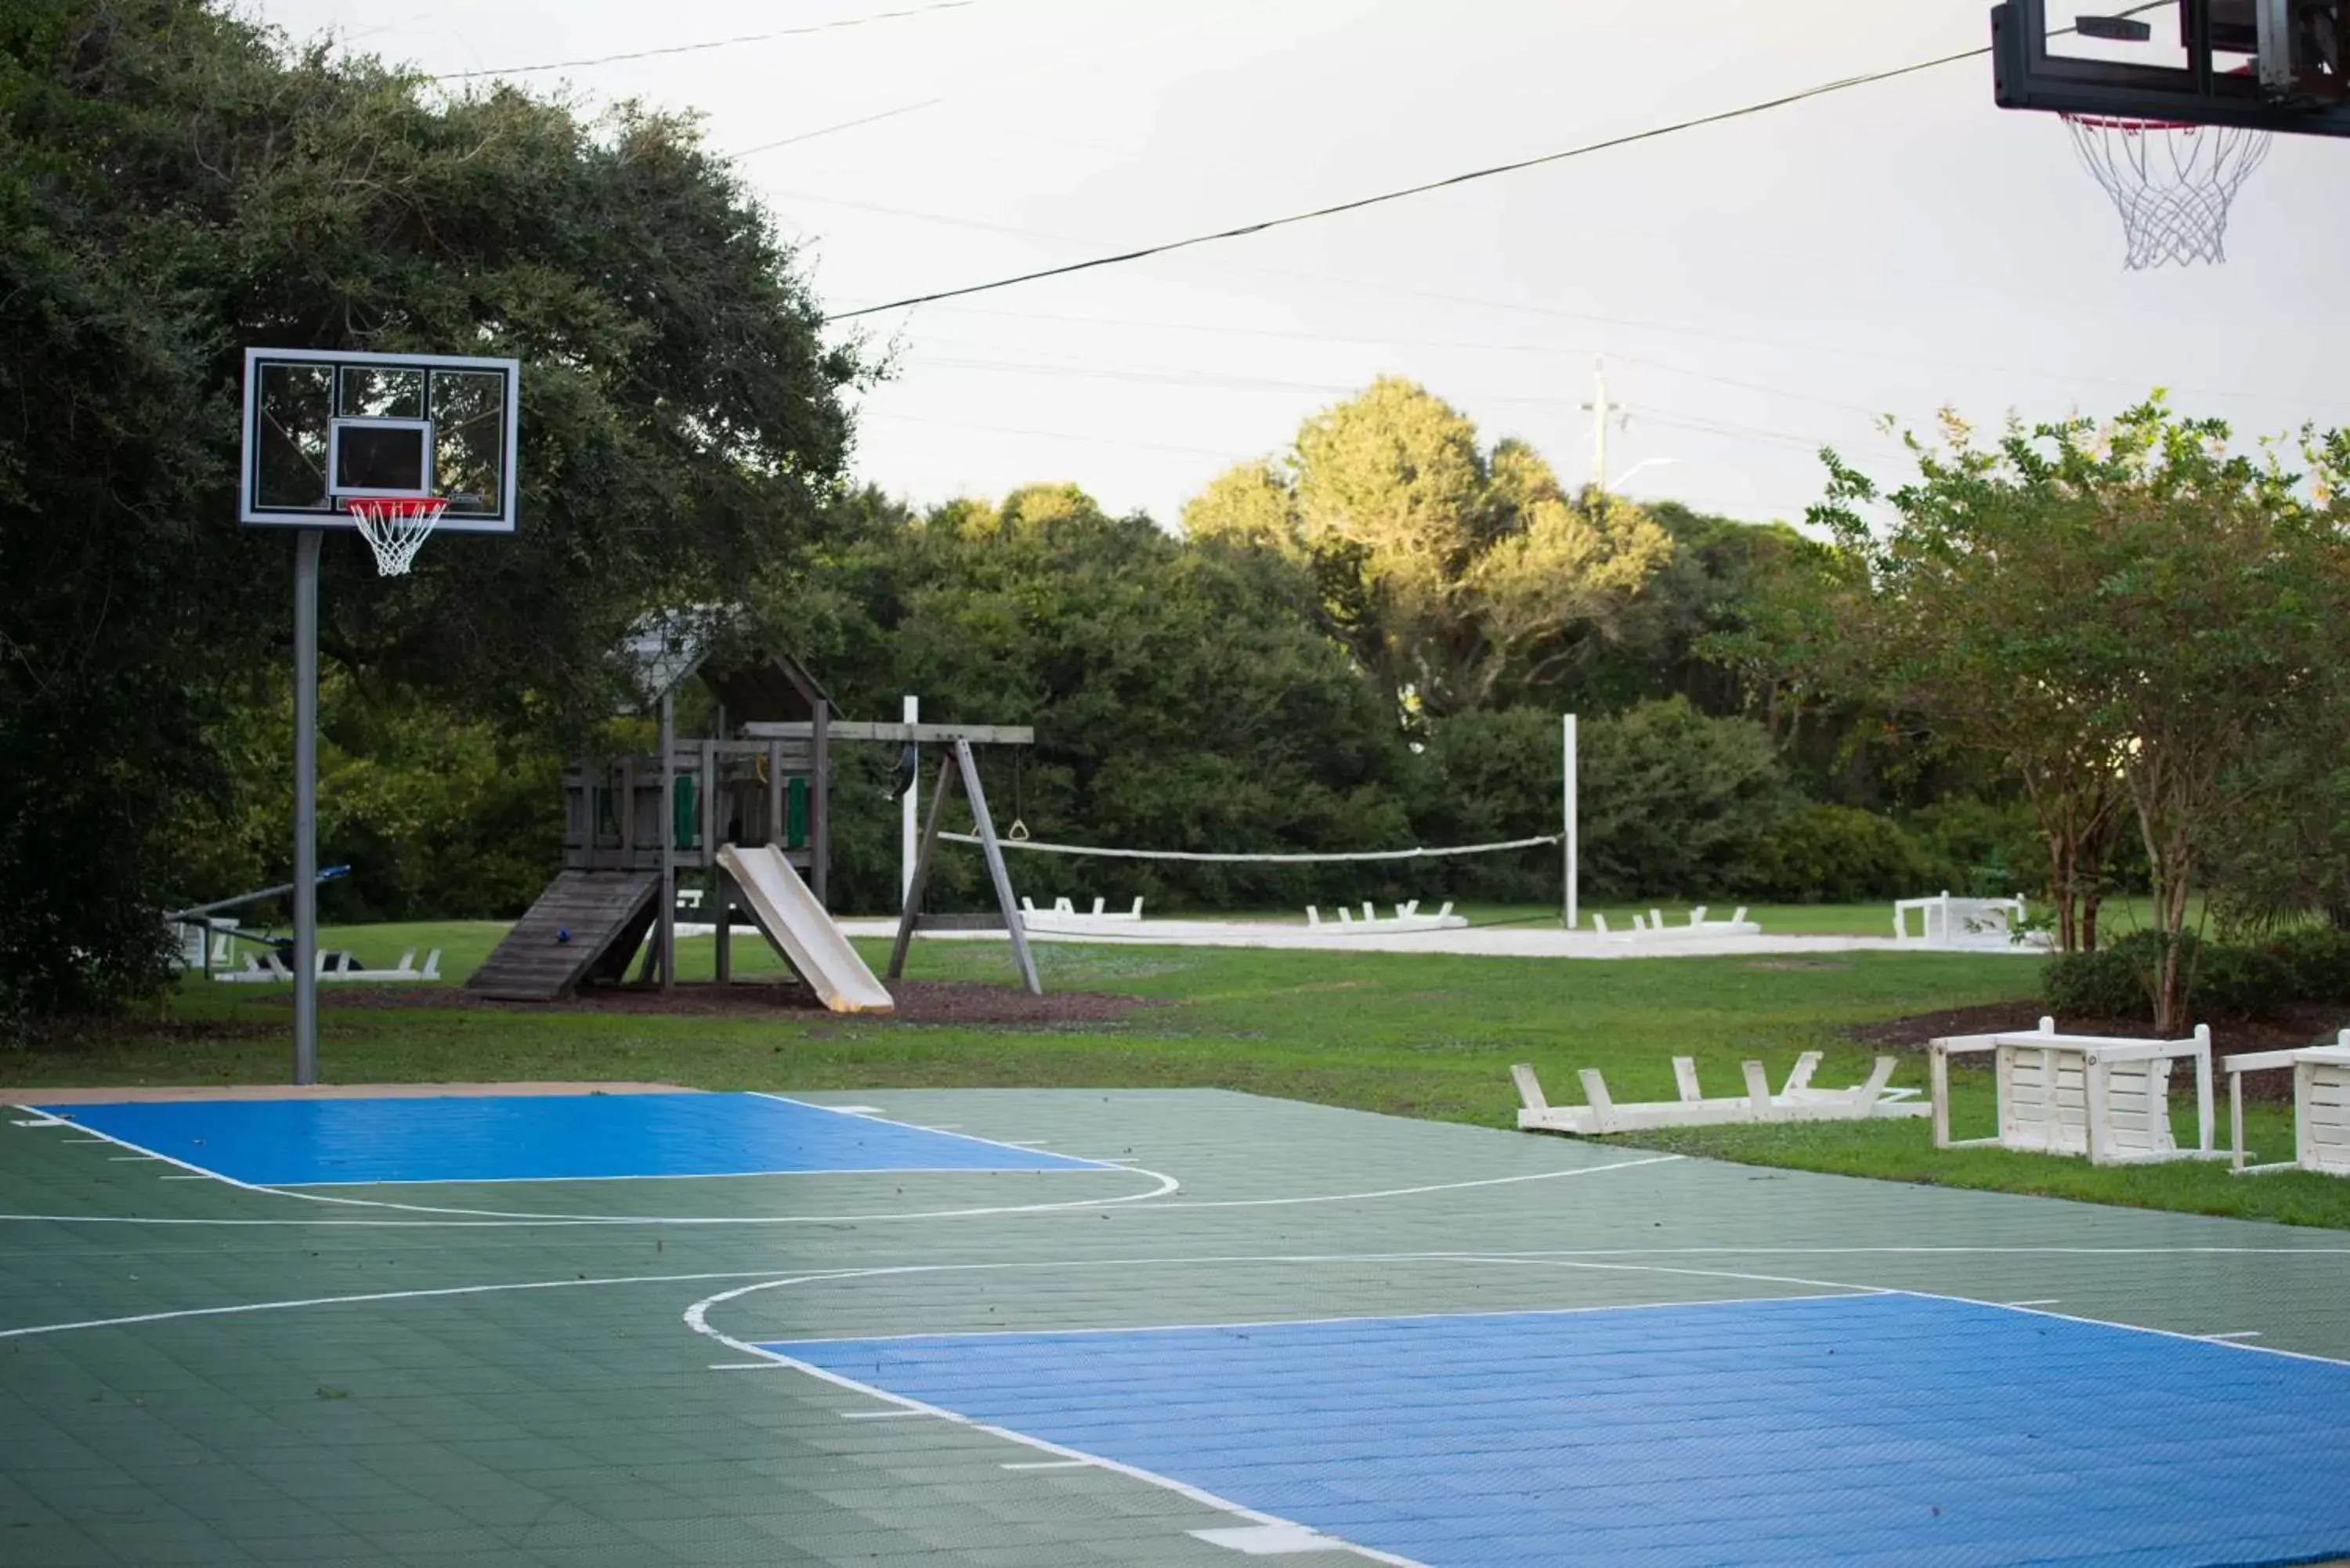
2320	1106
1652	927
1989	924
1796	1102
1407	917
2089	1094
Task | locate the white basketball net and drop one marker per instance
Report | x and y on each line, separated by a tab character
2172	183
396	528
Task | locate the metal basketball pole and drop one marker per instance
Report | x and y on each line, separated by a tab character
305	805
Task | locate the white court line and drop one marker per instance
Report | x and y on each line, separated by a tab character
2235	1333
1166	1184
2135	1328
293	1187
1139	1202
742	1367
889	1121
43	1122
696	1318
1845	1294
1045	1464
1416	1191
244	1308
1973	1301
2044	1301
878	1414
300	1188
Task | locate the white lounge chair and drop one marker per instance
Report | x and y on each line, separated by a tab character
2081	1094
1797	1101
2320	1106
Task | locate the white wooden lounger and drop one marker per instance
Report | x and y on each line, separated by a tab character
1797	1101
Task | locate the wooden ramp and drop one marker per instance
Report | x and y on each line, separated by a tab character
606	913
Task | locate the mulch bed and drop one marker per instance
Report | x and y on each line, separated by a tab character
2286	1028
918	1002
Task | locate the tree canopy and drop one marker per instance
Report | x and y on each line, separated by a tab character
1456	576
2126	616
176	184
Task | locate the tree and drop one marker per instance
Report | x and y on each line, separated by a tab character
2119	613
1183	695
175	185
1455	577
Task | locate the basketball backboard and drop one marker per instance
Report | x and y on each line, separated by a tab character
2261	65
324	427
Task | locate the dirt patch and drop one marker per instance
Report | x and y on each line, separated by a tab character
918	1002
2284	1030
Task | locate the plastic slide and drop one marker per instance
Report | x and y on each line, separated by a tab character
790	915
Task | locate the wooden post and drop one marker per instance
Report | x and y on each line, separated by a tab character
706	826
626	811
920	881
775	833
819	808
1938	1069
665	943
997	870
723	936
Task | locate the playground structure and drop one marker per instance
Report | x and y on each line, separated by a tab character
748	807
2104	1097
1966	925
2320	1106
761	879
1796	1101
632	824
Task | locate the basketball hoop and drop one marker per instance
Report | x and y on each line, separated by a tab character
395	527
2172	183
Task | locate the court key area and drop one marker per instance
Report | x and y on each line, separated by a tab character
1179	1327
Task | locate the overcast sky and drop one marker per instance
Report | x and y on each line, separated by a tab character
1757	288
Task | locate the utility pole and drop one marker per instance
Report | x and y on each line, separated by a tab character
1603	414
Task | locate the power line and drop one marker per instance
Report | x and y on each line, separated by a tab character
1398	194
828	130
711	44
1653	133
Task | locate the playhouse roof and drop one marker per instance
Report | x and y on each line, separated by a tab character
665	648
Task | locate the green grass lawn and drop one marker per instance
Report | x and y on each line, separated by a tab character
1412	1034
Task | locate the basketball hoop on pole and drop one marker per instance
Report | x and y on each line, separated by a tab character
396	527
2172	183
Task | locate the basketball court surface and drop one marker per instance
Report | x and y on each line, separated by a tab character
1064	1327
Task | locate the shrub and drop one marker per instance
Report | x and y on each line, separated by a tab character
2115	982
1836	854
1674	802
1980	848
2316	960
2225	979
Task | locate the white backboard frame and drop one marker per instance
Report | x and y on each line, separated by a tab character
327	515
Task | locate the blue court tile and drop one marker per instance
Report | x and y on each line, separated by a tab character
1855	1430
514	1137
